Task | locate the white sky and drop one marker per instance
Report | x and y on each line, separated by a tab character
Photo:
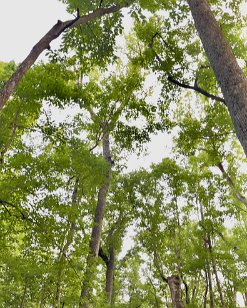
23	23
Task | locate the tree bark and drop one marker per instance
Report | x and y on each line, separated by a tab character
110	276
44	43
174	284
97	227
229	75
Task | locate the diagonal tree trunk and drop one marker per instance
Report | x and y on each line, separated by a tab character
97	227
44	43
229	75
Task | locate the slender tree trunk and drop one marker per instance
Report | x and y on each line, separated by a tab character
23	297
206	291
210	247
208	269
174	284
210	285
64	250
229	75
245	298
97	227
110	276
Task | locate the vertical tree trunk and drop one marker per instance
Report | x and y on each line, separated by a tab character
210	285
174	284
64	250
210	247
110	276
206	291
227	71
97	227
208	270
23	297
245	298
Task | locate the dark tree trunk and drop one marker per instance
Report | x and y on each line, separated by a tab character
174	284
227	71
110	276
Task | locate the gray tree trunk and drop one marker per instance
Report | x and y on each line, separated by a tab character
174	284
229	75
97	227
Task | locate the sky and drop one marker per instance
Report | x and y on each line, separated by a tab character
23	23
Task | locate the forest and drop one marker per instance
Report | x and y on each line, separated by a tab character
82	226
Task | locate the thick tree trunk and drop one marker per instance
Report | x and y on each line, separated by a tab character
174	284
227	71
97	227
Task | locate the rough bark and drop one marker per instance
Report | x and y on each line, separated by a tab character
110	264
44	43
97	226
174	284
229	75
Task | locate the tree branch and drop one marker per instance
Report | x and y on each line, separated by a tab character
197	89
11	85
239	196
176	82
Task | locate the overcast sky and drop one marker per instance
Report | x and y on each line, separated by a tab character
24	22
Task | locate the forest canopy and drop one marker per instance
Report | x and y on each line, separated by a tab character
80	226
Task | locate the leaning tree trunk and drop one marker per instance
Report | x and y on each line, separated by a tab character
229	75
174	284
97	227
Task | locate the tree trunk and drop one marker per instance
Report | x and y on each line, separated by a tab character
245	298
110	276
97	227
44	43
64	250
23	297
206	291
227	71
210	247
174	284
